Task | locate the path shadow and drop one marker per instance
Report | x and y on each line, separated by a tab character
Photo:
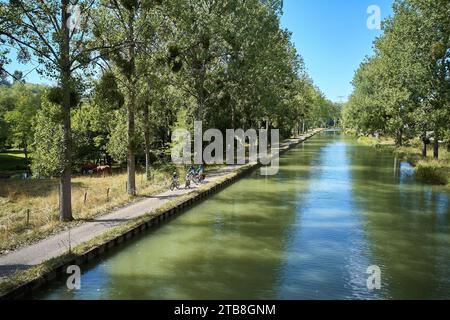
10	269
103	220
161	197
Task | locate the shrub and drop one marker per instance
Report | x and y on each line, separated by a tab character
371	141
431	172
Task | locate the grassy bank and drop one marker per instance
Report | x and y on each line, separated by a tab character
29	208
428	170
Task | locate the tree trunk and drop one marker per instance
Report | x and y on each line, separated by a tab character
131	162
147	142
436	146
233	126
65	189
201	94
25	151
131	104
424	145
399	138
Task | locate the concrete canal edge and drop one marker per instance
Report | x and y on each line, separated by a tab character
56	267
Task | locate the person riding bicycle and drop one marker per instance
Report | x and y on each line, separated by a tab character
200	173
175	183
188	180
191	171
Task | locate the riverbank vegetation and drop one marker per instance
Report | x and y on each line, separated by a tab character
403	91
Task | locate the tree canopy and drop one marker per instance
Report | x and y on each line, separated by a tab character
403	90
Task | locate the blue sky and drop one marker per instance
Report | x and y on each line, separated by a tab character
333	38
29	70
331	35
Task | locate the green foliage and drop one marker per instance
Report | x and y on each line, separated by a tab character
107	92
230	82
182	123
48	137
18	106
118	142
403	90
431	172
197	62
367	140
5	105
90	132
3	133
20	117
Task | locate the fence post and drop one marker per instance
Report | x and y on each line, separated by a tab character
59	195
85	198
70	242
107	194
28	216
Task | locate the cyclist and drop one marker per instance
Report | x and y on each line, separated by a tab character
188	180
200	173
175	183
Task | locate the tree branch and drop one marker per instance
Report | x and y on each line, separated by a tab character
34	28
38	51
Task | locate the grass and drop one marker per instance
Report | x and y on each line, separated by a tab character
41	198
428	170
380	142
431	172
11	162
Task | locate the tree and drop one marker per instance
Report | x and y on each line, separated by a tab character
6	104
59	40
365	109
48	156
127	23
405	86
434	54
26	103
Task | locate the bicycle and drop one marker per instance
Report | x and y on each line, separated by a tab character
174	185
199	178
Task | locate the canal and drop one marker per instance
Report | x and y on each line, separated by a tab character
335	208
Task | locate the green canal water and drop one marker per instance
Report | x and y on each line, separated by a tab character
335	208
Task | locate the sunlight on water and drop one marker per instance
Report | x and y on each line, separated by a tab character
310	232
